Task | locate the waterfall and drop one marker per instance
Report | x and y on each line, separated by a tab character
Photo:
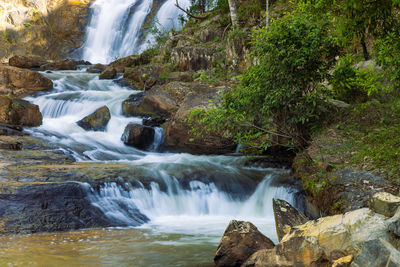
117	27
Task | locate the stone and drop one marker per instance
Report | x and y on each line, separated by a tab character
185	76
286	217
384	203
108	73
10	130
378	253
189	58
66	64
154	122
15	111
20	82
129	104
394	228
97	121
11	145
239	241
343	261
26	61
156	102
135	60
145	77
139	136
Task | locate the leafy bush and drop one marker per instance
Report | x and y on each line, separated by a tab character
354	85
279	100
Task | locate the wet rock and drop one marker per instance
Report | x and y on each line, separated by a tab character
10	130
26	61
130	61
83	62
97	121
49	207
19	112
98	68
384	203
156	102
286	217
343	261
11	145
379	253
129	104
240	241
138	136
66	64
108	73
19	82
154	122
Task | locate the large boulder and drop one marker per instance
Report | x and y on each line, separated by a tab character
322	242
66	64
130	104
286	217
20	82
138	136
26	61
378	253
18	112
145	77
97	121
156	102
240	240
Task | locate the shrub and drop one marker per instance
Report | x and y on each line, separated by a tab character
279	100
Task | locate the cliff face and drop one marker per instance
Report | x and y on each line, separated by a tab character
49	28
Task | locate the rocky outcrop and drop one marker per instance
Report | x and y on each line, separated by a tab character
108	73
18	112
131	61
48	28
240	240
188	58
26	61
286	217
138	136
19	82
49	207
97	121
145	77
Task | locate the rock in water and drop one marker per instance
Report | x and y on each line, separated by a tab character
66	64
97	121
286	217
240	240
378	253
138	136
384	203
108	73
16	111
26	61
129	104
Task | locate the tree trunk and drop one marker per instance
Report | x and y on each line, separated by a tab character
232	8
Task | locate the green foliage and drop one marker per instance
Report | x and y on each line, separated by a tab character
237	34
222	6
251	10
354	85
279	99
388	56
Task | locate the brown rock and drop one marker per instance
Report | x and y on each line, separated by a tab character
138	136
66	64
26	61
343	261
145	77
11	145
108	73
129	104
194	58
19	82
97	121
18	112
239	242
135	60
156	102
286	217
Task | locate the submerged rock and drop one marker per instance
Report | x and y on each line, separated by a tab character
138	136
240	240
97	121
286	217
20	82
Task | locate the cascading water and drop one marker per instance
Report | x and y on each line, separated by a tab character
117	27
189	198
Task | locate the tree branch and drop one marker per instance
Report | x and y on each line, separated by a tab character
188	13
